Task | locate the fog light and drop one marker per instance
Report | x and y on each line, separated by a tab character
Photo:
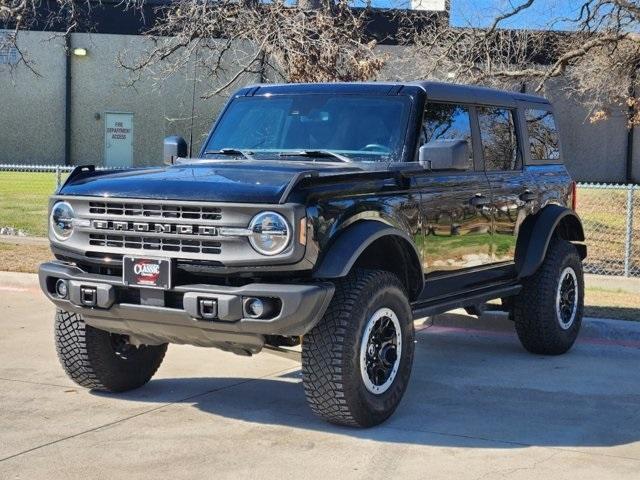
260	307
62	288
254	307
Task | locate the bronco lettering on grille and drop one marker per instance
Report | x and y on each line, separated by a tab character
155	227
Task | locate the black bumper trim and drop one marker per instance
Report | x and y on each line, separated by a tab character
302	306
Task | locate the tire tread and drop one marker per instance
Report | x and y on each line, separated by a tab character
83	356
534	307
325	346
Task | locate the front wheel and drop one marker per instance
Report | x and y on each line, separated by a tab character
100	360
548	310
356	362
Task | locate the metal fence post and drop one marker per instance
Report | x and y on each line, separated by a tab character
58	179
628	244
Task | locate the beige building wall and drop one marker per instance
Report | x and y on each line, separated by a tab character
32	108
594	152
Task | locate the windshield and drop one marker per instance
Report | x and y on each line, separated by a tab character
360	127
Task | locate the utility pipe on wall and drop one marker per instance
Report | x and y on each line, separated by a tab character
67	99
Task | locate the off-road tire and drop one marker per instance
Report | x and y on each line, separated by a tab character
89	357
332	379
534	308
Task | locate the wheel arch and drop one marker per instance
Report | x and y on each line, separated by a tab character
537	231
375	245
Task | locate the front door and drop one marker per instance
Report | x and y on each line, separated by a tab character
455	205
118	140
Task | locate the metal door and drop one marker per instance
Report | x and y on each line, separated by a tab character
118	139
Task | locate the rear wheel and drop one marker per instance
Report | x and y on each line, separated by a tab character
548	310
356	362
100	360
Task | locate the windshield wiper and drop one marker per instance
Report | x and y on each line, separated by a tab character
231	151
317	154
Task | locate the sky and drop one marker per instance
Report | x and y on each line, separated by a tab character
480	13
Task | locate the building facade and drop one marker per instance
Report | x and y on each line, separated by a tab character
82	109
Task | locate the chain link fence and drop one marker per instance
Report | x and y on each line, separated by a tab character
610	215
611	218
61	171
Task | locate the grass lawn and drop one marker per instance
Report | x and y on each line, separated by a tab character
24	200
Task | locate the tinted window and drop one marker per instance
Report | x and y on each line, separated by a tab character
363	127
499	139
543	135
443	121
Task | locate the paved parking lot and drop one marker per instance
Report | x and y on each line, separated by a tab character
478	407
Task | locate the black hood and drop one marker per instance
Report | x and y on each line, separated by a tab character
215	181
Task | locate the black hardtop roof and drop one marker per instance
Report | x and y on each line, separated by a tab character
434	90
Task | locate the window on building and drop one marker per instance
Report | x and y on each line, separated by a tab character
543	135
445	121
499	139
9	54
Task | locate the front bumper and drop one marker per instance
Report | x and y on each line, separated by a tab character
147	319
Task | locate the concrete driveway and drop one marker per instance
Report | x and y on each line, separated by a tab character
478	407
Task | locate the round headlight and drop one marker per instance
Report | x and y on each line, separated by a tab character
62	220
270	233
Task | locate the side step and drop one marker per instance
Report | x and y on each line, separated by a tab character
468	299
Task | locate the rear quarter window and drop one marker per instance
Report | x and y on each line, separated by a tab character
544	143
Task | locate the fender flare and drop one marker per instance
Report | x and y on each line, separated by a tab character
345	250
536	233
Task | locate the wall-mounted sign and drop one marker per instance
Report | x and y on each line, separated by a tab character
9	54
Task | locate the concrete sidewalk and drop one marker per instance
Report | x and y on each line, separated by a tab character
608	282
478	406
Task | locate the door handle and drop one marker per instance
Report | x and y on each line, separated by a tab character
479	200
528	196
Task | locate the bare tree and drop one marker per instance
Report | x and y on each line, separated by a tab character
599	55
316	40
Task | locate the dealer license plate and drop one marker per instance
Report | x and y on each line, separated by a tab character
147	272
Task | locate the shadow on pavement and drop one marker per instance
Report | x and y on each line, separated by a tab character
623	313
469	389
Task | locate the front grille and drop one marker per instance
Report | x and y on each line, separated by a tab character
155	210
150	226
155	243
189	231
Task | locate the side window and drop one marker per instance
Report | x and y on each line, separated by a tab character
445	121
543	135
499	139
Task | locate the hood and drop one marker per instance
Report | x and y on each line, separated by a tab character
212	181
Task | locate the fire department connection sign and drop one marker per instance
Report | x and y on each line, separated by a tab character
118	140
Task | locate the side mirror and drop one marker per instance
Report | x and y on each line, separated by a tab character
174	147
445	155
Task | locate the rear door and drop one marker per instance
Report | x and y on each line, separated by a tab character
513	191
455	205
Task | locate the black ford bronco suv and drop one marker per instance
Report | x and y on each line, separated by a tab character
326	215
